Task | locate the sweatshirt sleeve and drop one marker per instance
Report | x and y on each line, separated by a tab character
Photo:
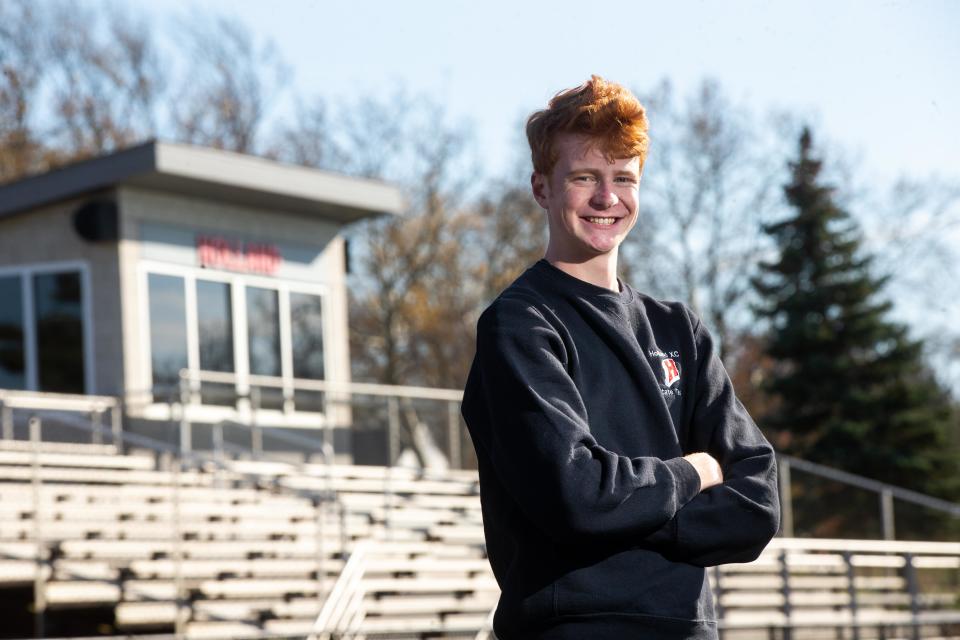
540	445
734	521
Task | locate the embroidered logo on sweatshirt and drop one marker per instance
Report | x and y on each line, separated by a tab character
671	372
669	368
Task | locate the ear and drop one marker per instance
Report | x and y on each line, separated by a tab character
540	185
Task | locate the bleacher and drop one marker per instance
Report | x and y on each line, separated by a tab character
253	548
238	557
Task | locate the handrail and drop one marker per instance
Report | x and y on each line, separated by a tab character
916	547
342	602
950	617
332	386
280	434
338	393
94	405
907	495
57	401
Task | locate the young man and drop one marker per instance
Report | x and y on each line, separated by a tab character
615	460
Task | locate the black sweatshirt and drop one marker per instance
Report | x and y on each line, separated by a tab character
581	403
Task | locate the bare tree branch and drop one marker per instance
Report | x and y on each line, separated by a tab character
106	79
222	102
707	185
21	71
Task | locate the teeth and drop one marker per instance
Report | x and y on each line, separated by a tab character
602	220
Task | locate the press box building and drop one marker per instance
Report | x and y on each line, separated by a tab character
118	272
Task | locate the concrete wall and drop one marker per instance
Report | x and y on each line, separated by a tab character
46	235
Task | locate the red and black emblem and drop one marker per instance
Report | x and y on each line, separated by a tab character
671	372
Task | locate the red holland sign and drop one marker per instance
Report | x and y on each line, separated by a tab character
249	257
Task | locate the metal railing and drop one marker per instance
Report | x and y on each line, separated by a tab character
395	412
345	394
96	407
341	405
886	493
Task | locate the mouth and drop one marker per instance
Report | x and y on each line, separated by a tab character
607	221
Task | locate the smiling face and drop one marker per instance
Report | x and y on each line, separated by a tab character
591	202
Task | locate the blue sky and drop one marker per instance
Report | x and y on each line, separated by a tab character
879	79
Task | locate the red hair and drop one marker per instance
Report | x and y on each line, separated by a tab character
602	110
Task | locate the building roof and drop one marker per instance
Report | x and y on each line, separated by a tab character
212	174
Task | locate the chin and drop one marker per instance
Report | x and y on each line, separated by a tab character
600	250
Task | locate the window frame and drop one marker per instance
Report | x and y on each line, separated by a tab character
26	273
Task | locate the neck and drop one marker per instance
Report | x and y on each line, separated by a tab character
599	270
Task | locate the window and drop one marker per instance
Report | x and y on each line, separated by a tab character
13	370
305	323
168	333
263	330
263	334
306	337
44	341
58	313
263	326
215	337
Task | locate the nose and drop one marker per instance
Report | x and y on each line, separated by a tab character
603	197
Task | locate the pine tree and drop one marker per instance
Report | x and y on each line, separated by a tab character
850	389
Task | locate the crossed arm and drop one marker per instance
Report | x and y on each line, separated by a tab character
716	505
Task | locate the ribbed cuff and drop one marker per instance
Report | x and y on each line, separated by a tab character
687	480
687	485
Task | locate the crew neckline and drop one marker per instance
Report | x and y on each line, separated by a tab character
582	287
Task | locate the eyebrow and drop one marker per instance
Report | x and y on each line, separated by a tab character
619	172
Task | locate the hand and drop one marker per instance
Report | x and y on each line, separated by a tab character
707	467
